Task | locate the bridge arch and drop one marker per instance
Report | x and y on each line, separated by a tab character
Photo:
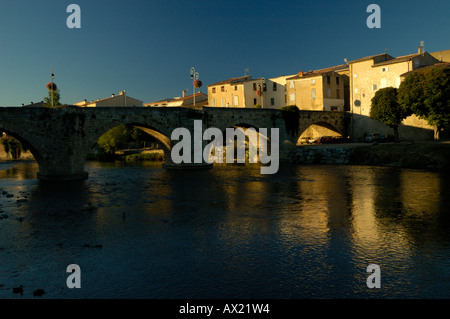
156	131
242	126
319	129
29	142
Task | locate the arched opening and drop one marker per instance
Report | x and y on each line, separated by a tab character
245	141
129	141
320	132
24	149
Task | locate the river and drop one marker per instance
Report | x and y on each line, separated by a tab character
229	232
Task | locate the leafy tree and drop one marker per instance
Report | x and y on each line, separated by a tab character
122	136
13	147
427	94
56	97
113	140
139	137
386	109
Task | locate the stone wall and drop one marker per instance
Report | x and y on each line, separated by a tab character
412	128
320	155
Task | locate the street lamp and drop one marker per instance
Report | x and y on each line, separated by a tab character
51	87
52	84
196	82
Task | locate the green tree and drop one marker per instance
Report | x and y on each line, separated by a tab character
426	93
140	138
114	139
13	147
56	97
386	109
123	136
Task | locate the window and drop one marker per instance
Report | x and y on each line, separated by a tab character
254	102
398	81
385	69
292	97
356	90
383	83
329	93
355	75
338	94
374	87
337	80
291	84
313	94
222	89
334	108
236	100
254	86
272	101
235	87
274	86
313	81
214	90
223	102
328	79
264	87
214	102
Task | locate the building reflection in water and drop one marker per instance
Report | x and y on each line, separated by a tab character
295	232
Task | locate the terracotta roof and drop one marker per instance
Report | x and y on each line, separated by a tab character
38	104
397	60
187	97
301	75
436	65
160	101
234	80
443	55
85	102
370	57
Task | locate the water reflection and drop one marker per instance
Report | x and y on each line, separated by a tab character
308	231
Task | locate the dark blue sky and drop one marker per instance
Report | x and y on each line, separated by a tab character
148	47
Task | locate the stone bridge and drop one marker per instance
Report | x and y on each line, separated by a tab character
60	138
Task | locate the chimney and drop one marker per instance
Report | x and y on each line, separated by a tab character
300	73
420	49
183	93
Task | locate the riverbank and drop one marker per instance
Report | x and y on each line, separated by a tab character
424	155
152	155
24	156
419	155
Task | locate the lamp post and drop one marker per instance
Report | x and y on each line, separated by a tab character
196	82
52	85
